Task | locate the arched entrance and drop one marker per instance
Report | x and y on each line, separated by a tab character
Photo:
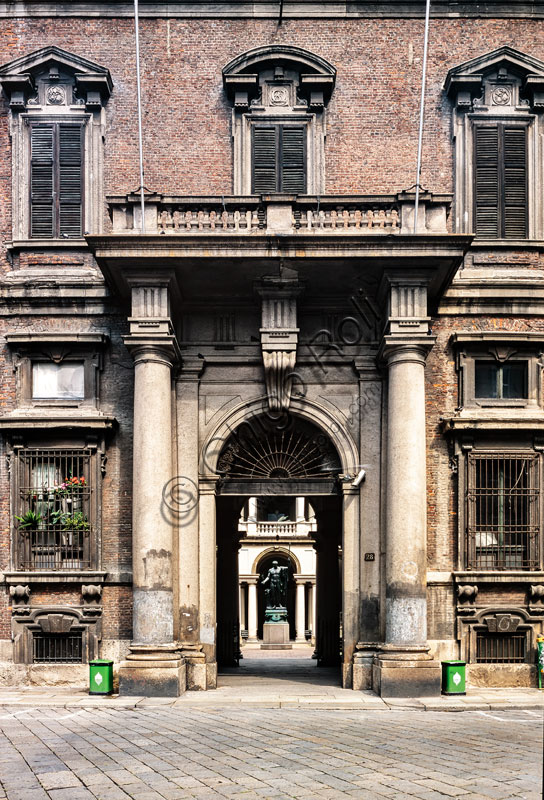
279	463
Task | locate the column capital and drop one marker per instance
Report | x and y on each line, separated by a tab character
160	350
414	349
208	484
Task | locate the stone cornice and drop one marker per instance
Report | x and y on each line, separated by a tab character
269	9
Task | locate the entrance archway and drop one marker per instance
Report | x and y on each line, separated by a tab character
293	460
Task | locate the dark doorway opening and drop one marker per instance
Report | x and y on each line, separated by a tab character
327	540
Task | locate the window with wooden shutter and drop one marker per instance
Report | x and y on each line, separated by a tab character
56	180
279	159
500	181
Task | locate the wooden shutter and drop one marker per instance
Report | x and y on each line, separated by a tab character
515	183
293	159
486	181
70	180
56	181
264	159
500	181
42	181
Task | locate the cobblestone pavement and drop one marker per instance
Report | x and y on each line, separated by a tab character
168	753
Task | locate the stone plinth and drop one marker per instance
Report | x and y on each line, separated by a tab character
276	636
406	672
152	671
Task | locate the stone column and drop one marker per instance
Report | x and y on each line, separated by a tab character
300	504
242	609
403	667
252	509
300	612
252	610
154	665
313	607
351	579
207	570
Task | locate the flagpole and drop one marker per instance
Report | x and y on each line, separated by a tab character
422	110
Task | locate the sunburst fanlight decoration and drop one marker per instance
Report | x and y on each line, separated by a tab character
287	455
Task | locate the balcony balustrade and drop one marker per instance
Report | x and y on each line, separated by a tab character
282	214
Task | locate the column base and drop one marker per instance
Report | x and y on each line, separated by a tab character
363	660
405	671
196	667
153	671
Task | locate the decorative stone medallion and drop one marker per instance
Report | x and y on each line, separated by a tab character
56	96
501	96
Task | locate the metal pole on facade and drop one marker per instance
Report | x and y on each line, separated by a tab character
422	110
139	99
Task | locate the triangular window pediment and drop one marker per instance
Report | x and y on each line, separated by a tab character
54	77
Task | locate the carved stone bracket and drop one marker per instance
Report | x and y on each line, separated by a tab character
536	592
19	594
279	335
91	593
467	593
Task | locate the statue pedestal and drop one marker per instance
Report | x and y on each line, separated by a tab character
276	636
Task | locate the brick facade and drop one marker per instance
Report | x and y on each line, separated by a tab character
371	125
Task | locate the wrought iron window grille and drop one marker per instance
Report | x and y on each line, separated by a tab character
501	648
55	648
54	513
503	511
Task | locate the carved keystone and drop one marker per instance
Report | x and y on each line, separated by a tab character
467	593
55	623
537	591
502	623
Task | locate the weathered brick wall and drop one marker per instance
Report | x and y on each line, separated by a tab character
372	116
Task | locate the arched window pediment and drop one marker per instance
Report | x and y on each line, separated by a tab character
310	77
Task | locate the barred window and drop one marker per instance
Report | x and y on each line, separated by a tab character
55	513
503	498
500	648
57	648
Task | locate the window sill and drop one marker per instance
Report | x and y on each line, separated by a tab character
53	418
507	244
54	576
46	244
499	576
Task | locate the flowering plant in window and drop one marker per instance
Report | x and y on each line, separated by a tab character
70	486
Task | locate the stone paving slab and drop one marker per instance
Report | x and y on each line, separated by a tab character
159	752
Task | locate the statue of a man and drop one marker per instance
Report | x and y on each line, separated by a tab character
276	591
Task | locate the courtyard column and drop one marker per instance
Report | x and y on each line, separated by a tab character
300	612
300	505
403	665
154	665
252	610
313	607
242	613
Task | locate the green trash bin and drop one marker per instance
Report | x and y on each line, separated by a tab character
453	677
100	676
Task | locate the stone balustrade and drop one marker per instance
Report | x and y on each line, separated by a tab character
271	214
277	528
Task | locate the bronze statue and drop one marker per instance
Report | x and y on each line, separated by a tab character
276	592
